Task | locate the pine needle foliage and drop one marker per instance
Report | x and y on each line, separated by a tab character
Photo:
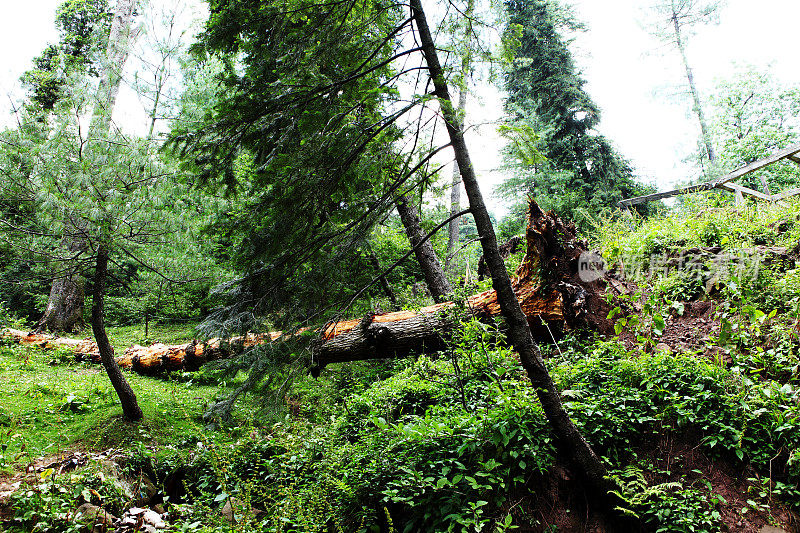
580	169
302	132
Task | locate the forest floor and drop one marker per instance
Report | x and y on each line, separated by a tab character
694	405
60	416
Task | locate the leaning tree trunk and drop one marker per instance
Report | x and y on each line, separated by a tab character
130	407
437	282
519	331
119	44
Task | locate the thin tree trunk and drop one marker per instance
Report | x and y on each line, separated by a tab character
698	107
435	278
518	328
387	288
130	407
119	43
450	264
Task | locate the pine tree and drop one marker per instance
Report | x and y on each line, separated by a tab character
549	110
84	26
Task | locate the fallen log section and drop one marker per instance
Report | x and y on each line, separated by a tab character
84	349
159	357
152	359
547	284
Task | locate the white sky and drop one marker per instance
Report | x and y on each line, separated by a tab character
627	76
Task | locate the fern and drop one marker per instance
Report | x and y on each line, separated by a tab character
636	492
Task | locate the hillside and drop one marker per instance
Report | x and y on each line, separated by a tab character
693	405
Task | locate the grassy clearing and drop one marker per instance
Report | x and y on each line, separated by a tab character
51	404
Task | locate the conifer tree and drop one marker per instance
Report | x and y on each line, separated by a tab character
84	26
549	109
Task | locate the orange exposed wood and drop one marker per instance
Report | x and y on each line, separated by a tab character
551	245
165	357
83	348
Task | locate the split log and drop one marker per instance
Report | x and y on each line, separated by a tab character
547	284
84	349
191	356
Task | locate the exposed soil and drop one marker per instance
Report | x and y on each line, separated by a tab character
559	502
60	463
689	466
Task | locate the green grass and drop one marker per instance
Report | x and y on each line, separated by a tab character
51	405
122	337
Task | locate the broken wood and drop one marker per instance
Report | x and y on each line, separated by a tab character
84	349
547	285
152	359
723	182
506	250
159	357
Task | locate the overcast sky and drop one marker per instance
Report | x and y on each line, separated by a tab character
629	76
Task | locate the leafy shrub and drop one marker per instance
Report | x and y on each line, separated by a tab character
680	286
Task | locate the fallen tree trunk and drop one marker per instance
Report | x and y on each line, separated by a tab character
84	349
152	359
159	357
565	301
547	284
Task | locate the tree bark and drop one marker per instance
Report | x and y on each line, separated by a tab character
64	311
119	44
455	184
435	277
130	407
698	107
518	330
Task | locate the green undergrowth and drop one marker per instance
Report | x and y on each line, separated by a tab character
454	441
699	221
53	404
458	442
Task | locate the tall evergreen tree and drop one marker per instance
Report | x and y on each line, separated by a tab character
546	95
310	111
